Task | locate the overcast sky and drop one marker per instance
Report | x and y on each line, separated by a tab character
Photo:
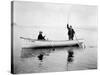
37	14
52	18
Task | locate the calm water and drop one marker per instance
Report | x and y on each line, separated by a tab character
53	60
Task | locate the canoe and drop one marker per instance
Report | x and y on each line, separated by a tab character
53	43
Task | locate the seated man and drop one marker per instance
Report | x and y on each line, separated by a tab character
40	36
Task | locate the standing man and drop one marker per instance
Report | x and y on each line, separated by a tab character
71	32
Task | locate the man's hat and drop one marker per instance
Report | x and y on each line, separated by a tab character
40	32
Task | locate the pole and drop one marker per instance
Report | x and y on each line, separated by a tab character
67	64
77	41
69	14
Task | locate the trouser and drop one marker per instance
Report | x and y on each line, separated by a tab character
70	37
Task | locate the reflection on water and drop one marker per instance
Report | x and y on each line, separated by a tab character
40	53
70	55
40	57
58	59
47	60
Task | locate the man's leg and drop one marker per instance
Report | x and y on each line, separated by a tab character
69	37
72	37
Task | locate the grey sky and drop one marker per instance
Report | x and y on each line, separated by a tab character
36	14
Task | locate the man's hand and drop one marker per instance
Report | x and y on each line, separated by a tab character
67	24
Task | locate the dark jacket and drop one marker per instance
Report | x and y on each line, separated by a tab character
71	31
40	37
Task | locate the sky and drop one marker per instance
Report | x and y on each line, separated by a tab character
54	16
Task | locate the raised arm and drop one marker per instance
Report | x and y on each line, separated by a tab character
67	26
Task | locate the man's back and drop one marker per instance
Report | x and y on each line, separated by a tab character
40	37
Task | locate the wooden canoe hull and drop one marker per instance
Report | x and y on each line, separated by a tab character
54	44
